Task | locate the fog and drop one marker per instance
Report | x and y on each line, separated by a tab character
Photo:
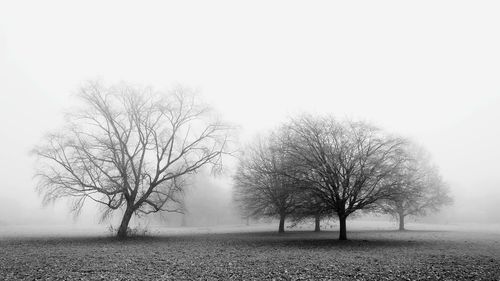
428	71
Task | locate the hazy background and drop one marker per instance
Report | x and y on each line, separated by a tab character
429	70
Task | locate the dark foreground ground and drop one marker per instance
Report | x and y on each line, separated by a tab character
368	255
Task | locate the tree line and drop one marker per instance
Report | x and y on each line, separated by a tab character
134	150
317	166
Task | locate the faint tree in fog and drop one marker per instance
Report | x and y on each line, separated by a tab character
419	188
349	165
129	148
311	206
261	189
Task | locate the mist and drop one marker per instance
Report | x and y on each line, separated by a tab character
429	72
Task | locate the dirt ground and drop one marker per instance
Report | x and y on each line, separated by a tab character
297	255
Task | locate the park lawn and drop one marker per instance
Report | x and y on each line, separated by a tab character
298	255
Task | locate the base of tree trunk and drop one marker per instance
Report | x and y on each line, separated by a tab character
401	222
122	230
121	234
317	226
281	228
342	230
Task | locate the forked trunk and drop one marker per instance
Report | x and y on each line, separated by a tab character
122	231
343	230
281	228
401	221
317	220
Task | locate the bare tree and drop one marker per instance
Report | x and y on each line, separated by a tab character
261	189
419	188
129	148
349	165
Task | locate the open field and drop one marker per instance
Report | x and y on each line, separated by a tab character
297	255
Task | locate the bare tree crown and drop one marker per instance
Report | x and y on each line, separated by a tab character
349	164
261	189
130	147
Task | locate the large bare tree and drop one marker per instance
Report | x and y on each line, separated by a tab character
349	165
261	188
419	187
131	149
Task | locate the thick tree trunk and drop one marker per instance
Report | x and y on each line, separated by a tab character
281	228
343	230
317	220
248	221
122	231
401	221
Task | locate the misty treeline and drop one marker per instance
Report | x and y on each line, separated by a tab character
135	150
318	166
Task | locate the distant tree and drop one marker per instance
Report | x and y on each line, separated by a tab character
311	206
419	188
129	148
261	188
349	165
245	215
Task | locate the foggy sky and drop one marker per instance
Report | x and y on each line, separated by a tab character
427	69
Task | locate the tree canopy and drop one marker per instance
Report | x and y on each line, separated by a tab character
129	148
349	165
419	187
261	186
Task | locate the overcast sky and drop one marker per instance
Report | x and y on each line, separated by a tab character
429	70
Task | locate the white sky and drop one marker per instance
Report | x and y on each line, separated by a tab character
425	69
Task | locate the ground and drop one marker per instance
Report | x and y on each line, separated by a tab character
261	255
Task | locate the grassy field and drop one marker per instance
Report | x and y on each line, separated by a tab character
298	255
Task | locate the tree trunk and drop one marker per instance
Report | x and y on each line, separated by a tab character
401	221
317	220
248	220
342	231
122	231
281	228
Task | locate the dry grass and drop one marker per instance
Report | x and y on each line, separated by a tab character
368	255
